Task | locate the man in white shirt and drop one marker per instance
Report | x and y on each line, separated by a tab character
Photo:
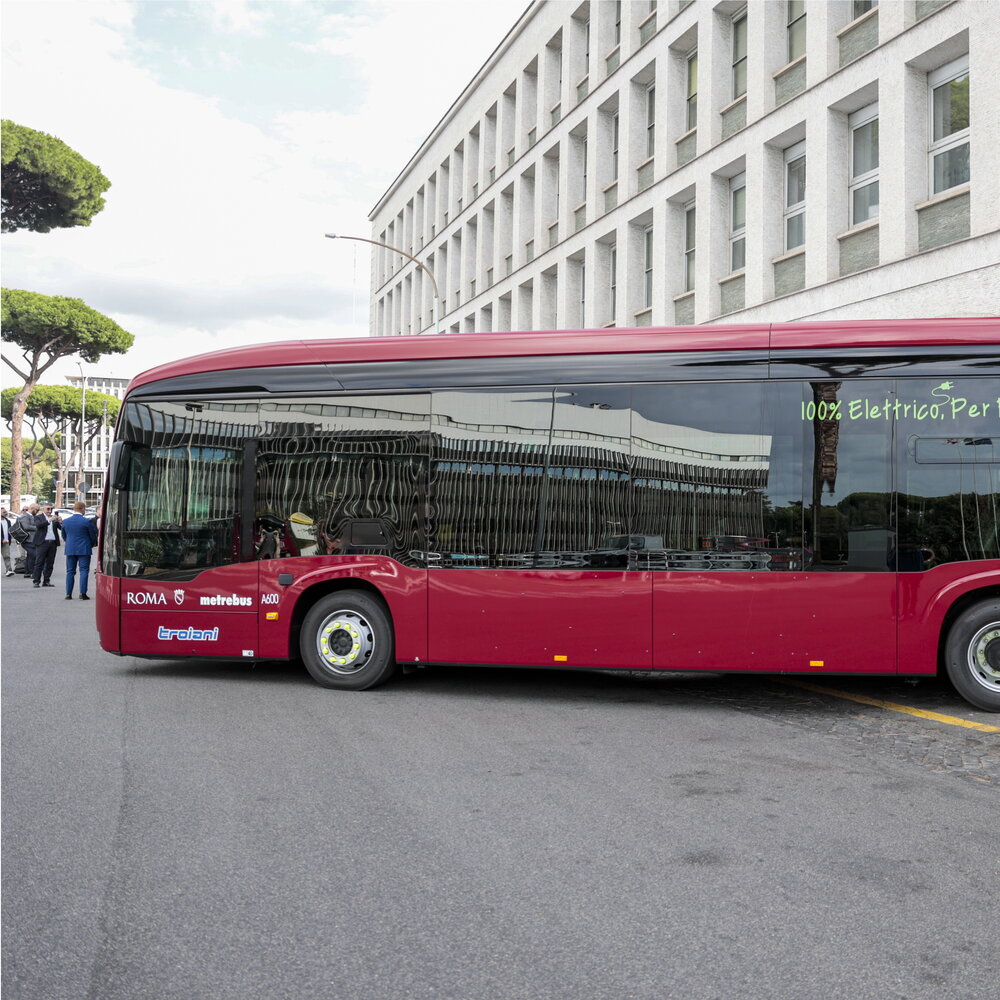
46	544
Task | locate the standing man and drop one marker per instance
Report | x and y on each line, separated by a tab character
46	543
80	533
26	519
5	542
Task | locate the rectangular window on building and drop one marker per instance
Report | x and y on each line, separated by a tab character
738	222
613	280
647	268
949	149
618	22
859	7
614	146
692	90
650	119
795	196
740	54
863	191
690	221
796	21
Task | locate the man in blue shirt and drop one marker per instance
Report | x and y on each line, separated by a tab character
81	536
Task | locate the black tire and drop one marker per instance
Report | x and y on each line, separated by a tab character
347	642
972	655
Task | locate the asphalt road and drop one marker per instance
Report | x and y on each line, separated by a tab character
188	830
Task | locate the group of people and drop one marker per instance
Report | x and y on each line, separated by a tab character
41	532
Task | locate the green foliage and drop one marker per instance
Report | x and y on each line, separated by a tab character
56	403
40	466
46	184
54	326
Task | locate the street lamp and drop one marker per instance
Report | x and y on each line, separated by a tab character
81	488
408	256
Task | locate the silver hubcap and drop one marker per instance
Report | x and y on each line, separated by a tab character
345	642
984	657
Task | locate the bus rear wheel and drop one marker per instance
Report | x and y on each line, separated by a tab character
972	655
347	642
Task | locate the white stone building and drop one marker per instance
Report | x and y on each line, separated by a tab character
643	163
98	452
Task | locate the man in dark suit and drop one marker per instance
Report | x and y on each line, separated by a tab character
46	544
81	536
27	521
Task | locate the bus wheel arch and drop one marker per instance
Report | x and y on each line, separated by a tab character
971	648
343	632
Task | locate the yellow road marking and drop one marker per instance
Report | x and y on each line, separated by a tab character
951	720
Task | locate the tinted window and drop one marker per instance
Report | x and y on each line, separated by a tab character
488	476
587	487
848	481
703	468
949	499
184	482
342	475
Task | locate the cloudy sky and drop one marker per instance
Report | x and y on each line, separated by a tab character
235	133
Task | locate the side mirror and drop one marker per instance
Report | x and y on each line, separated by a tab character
120	464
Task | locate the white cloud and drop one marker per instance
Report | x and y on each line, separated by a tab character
235	15
214	216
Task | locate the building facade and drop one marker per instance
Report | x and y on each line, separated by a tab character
97	452
641	163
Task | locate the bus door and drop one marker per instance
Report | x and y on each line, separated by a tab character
778	526
187	585
531	498
948	542
340	495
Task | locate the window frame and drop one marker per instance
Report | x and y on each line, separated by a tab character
647	267
737	234
650	95
792	21
792	155
860	119
690	244
615	139
952	72
691	97
613	279
739	62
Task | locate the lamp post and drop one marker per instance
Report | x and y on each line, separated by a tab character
81	488
408	256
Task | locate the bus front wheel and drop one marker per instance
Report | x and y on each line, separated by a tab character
972	655
346	641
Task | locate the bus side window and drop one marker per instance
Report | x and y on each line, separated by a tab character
949	481
848	473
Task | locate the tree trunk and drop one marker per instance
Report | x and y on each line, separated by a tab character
55	444
17	407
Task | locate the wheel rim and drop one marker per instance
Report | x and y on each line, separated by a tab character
345	642
984	657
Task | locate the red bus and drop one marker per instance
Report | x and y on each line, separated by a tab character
803	498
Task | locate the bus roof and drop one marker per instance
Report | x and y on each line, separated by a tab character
835	335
